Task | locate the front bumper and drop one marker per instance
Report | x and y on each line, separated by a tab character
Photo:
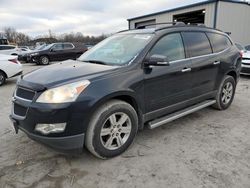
65	144
245	68
25	115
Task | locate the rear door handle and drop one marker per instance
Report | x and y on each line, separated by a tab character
216	62
186	70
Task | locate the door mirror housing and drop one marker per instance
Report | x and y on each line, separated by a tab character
157	60
52	50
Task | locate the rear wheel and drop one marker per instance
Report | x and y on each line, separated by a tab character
44	60
225	94
112	129
2	78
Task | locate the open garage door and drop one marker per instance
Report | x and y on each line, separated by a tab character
191	17
145	23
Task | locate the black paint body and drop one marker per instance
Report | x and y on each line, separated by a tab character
152	91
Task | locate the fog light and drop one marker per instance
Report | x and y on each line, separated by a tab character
50	128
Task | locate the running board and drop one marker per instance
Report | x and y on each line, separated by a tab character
171	117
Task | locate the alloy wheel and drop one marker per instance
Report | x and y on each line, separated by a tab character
227	93
115	131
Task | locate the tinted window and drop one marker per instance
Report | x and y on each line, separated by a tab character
58	47
170	46
68	46
7	47
248	47
219	42
197	43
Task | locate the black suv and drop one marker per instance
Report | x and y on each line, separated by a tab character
133	79
55	52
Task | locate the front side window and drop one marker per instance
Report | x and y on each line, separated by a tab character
197	43
118	49
219	42
58	47
170	46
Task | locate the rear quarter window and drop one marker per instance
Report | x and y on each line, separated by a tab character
197	43
219	42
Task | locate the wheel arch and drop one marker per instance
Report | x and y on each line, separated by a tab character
127	97
4	73
233	74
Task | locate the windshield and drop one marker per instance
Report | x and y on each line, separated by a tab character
40	47
118	50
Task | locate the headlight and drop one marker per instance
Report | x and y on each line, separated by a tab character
34	54
63	94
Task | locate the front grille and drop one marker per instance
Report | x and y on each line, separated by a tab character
20	110
245	58
25	93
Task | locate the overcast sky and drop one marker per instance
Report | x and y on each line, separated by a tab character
91	17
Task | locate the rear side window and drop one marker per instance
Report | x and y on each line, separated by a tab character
197	43
219	42
68	46
170	46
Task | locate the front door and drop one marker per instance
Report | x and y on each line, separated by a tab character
166	86
57	52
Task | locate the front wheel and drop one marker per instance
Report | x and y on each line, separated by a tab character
112	129
2	78
44	60
225	93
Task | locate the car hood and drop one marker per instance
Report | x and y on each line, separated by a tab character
246	54
64	72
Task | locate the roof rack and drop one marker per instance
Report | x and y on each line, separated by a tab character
163	23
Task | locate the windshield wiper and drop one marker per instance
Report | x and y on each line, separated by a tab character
96	62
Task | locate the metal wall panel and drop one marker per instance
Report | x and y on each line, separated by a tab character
168	17
235	18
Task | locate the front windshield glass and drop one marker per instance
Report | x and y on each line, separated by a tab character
40	47
118	50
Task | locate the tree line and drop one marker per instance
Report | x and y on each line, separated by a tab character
21	39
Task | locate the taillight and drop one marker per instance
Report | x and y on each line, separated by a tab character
13	61
241	54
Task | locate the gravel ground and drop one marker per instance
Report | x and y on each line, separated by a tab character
208	148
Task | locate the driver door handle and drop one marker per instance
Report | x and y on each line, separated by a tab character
186	70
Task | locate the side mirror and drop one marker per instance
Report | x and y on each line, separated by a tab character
157	60
52	50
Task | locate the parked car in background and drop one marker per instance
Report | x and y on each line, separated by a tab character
57	52
245	66
4	41
24	48
247	47
101	100
9	67
9	50
25	55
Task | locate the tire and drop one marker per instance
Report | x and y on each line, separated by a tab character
44	60
225	95
2	78
116	137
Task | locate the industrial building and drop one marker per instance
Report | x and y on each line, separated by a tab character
227	15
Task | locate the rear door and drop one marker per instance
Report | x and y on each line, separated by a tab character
69	52
205	65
